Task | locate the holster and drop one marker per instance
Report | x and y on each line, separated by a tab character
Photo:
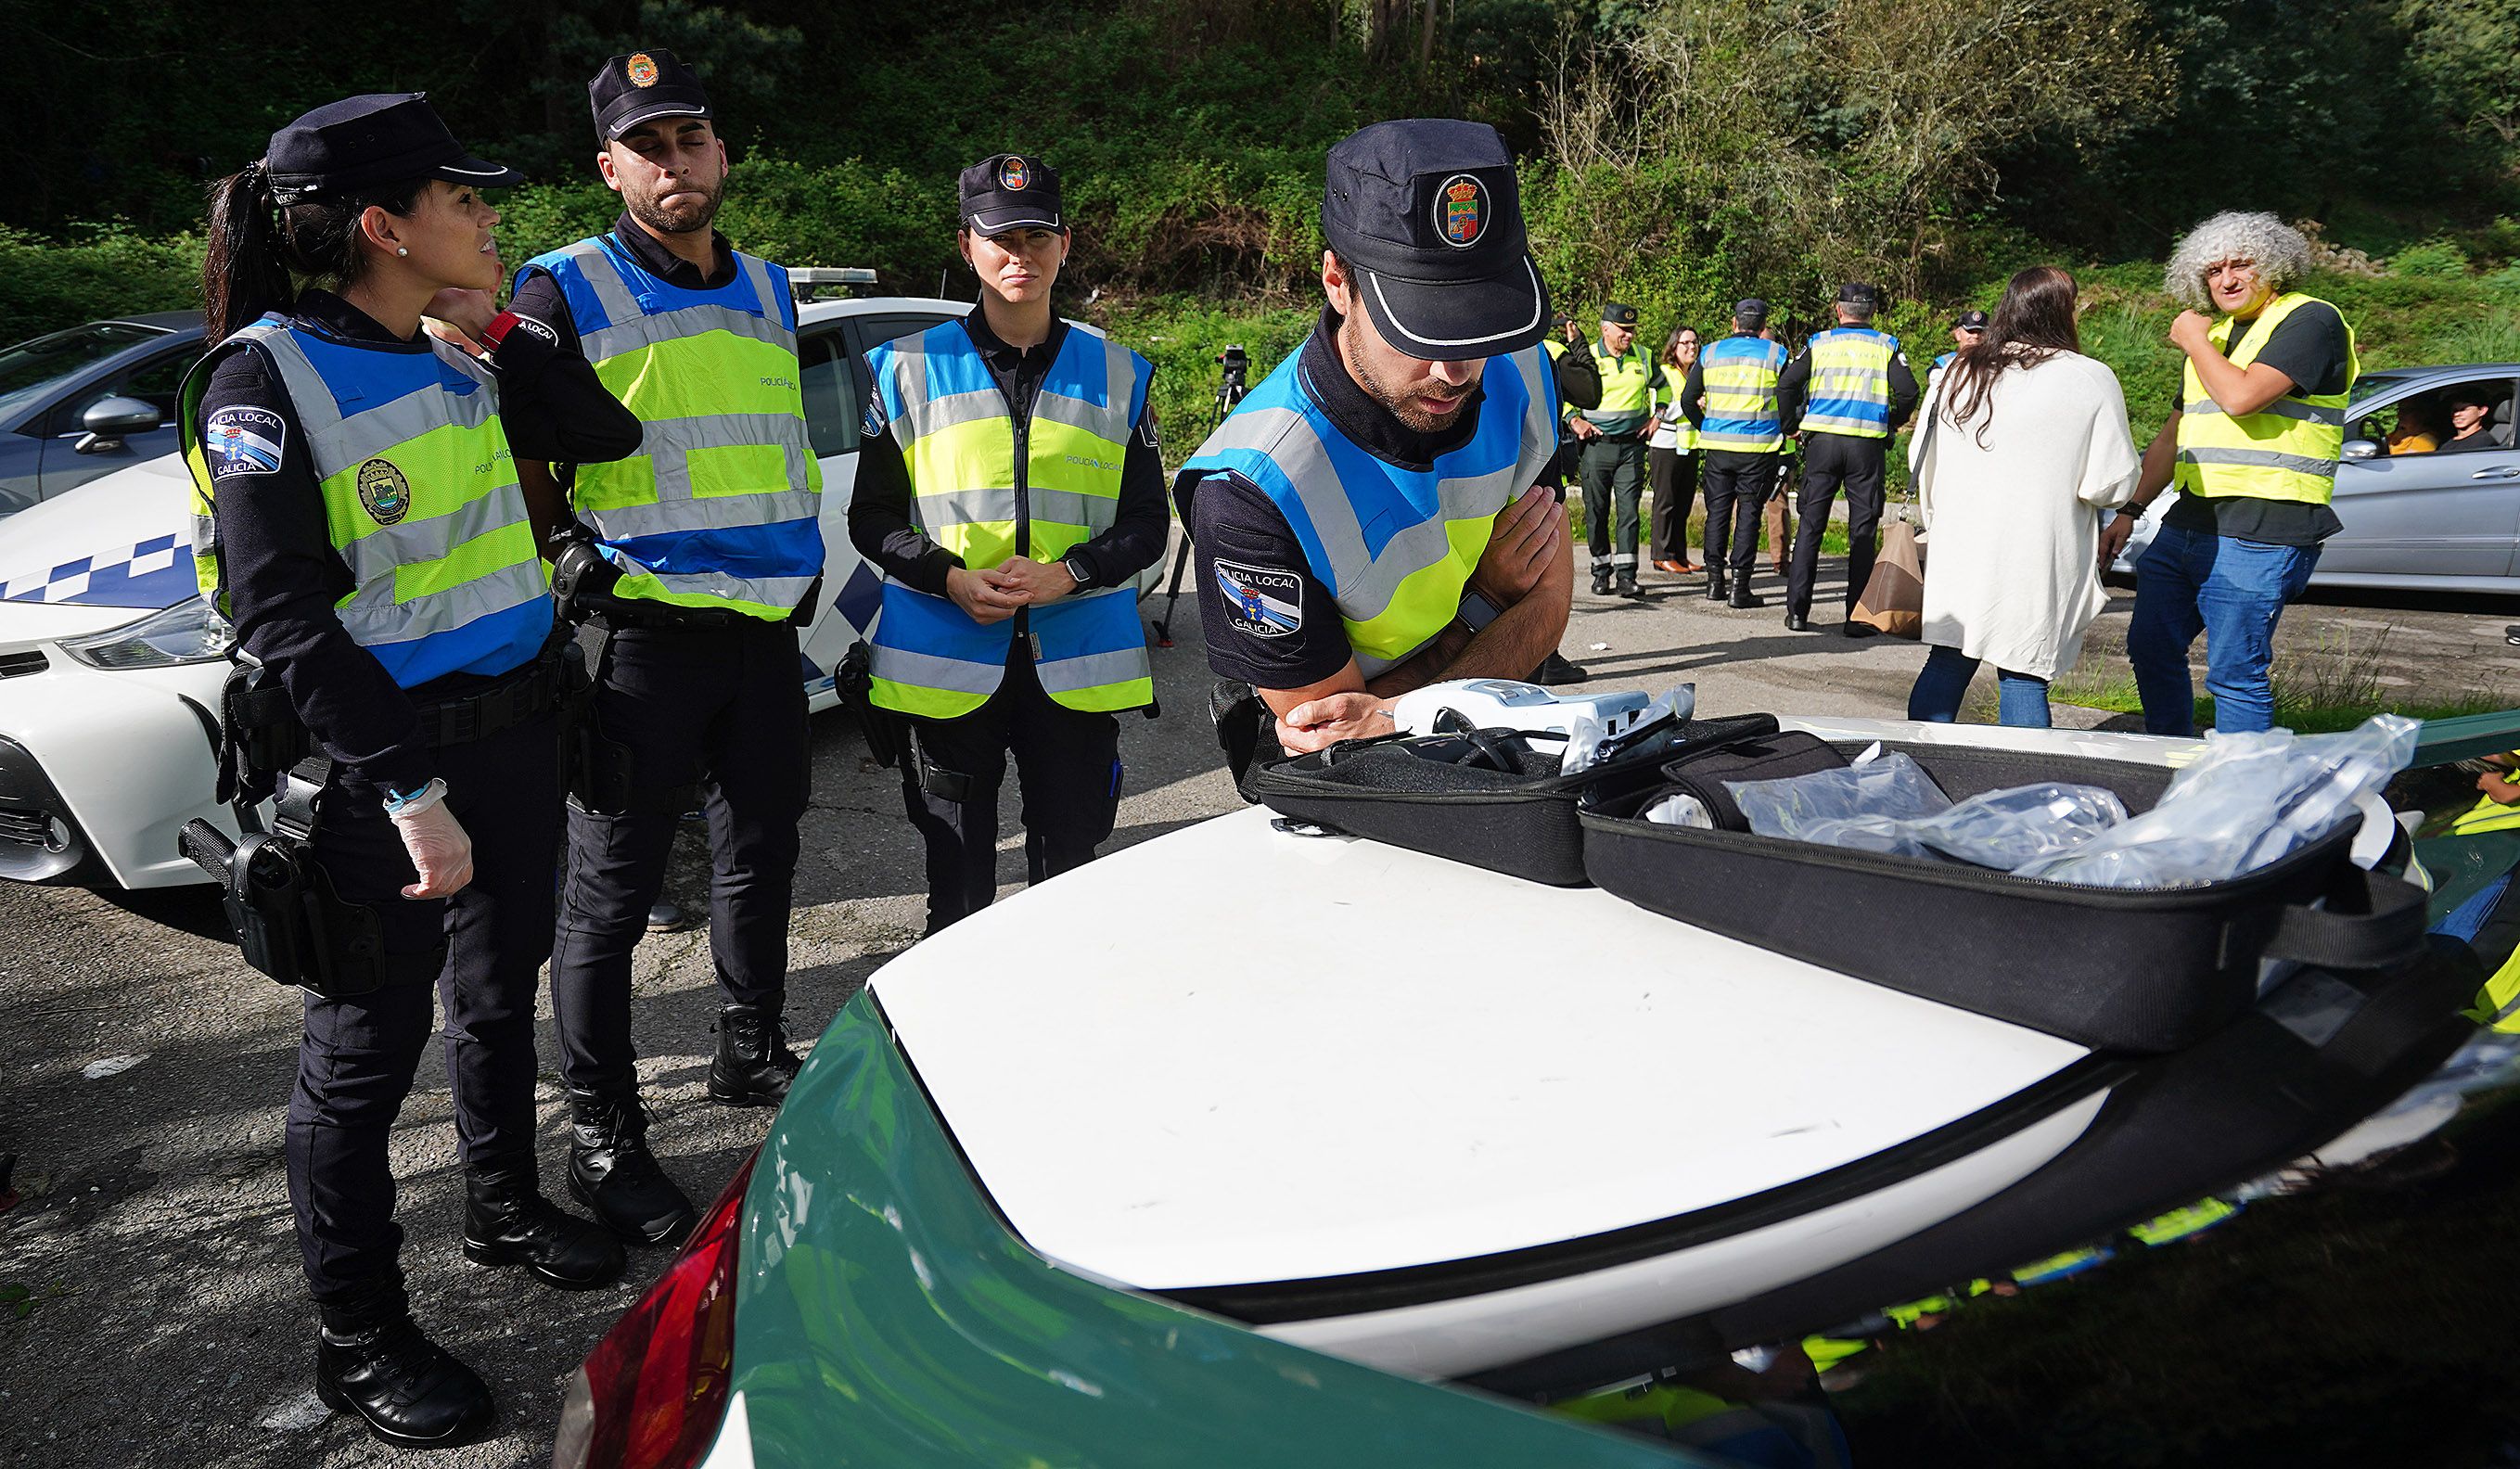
259	735
1242	722
935	779
886	732
281	905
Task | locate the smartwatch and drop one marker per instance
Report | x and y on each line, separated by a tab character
1079	568
1477	612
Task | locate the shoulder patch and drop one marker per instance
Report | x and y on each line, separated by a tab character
1261	601
539	329
244	440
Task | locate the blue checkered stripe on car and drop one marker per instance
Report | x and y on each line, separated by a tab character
154	574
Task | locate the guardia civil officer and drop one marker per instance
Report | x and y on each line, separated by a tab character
702	554
1009	487
1613	434
359	518
1730	395
1844	396
1377	514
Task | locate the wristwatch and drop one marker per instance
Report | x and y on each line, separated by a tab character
1477	612
1079	568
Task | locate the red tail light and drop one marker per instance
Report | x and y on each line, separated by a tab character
650	1393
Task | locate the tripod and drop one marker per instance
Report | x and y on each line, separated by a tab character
1229	396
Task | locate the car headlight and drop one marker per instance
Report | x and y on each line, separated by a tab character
188	632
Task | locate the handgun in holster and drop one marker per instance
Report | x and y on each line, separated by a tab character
582	580
886	733
280	903
1243	725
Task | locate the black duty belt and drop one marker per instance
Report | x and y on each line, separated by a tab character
618	612
530	692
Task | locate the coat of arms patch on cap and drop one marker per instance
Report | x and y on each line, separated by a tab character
1014	174
640	69
383	491
1461	211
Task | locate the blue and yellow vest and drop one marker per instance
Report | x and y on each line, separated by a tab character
1849	391
1740	377
721	506
974	496
419	499
1393	546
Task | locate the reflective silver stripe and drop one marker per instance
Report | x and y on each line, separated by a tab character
2280	408
611	292
1094	670
606	342
776	591
337	443
2321	469
413	542
1109	423
998	506
767	289
1539	415
2506	1013
668	443
373	617
921	417
901	665
626	522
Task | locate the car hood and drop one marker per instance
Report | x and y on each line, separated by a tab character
99	555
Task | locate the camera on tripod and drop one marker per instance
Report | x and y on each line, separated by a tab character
1236	364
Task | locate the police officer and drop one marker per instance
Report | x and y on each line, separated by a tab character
1614	446
1731	396
358	518
1011	488
1847	393
1579	385
1968	329
1377	516
702	558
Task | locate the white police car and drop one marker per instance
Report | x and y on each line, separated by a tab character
110	663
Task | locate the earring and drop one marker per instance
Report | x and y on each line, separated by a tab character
402	249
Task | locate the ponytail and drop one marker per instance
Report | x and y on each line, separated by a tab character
260	248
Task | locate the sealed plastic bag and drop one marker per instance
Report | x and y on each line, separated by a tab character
2007	829
1864	805
2248	801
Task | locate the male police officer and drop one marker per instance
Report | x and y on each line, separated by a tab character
1614	446
1372	518
1850	390
1730	395
1968	329
710	542
1011	487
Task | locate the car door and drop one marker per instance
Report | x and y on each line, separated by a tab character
153	381
2414	518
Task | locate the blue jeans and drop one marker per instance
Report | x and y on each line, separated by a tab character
2231	591
2021	700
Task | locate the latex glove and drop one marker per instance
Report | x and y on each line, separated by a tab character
438	849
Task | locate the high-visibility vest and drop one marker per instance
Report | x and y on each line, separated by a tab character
2497	1005
420	498
986	489
2487	814
1849	392
721	507
2287	450
1684	433
1627	389
1740	377
1393	546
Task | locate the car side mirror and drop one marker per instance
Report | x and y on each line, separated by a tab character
108	422
2360	449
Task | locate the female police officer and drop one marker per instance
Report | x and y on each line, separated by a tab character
359	519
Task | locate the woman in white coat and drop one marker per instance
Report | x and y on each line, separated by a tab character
2025	448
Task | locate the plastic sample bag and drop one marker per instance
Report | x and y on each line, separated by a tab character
1864	805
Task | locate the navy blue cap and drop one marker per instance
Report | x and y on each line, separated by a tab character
1750	311
1619	313
1427	217
1970	321
1011	191
1858	293
641	87
366	142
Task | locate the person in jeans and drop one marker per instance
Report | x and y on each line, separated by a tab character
2253	447
2027	439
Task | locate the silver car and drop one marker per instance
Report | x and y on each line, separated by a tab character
2445	520
82	403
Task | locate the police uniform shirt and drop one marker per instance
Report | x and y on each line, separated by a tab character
539	297
883	531
1234	523
2308	346
283	575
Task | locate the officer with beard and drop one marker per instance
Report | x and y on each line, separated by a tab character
701	556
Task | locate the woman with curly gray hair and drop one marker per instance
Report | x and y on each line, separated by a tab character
2252	448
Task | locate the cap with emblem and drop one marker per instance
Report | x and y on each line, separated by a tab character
366	142
1858	293
1011	191
641	87
1750	312
1970	321
1425	214
1618	314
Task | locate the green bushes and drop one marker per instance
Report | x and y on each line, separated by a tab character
46	285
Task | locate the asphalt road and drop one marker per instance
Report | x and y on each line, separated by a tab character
143	1070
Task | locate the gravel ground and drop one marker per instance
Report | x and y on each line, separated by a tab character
143	1070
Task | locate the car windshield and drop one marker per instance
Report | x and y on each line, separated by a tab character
2370	387
32	369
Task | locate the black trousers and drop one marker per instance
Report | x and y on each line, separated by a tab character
1614	473
1830	461
719	713
1068	764
357	1056
1737	490
1675	494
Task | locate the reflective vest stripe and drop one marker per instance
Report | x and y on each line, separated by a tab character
1627	389
1849	389
1740	377
2287	450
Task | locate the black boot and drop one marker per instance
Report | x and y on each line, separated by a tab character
1554	669
1601	581
611	1172
507	1220
1716	589
1744	597
372	1359
753	1065
1628	582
